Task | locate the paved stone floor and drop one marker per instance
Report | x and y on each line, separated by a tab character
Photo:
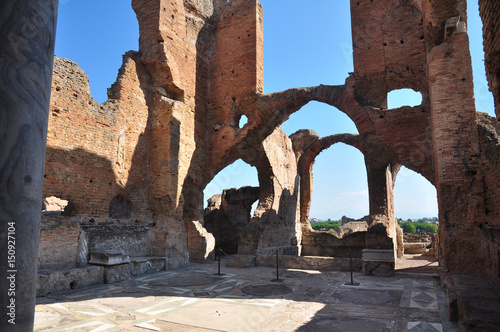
194	299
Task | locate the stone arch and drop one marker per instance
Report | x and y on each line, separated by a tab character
412	98
311	146
228	210
120	207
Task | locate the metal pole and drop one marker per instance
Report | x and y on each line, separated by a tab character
277	269
350	262
217	257
218	263
277	266
350	259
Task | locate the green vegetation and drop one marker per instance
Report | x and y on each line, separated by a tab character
409	227
422	225
326	225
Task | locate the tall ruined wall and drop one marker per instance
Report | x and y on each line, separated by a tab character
95	152
459	178
490	14
388	49
169	126
489	237
236	77
389	53
174	45
97	159
489	131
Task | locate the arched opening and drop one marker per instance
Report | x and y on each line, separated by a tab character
230	200
324	119
340	185
120	208
329	180
416	210
403	97
242	121
98	47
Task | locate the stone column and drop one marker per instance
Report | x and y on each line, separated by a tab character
380	187
457	162
27	31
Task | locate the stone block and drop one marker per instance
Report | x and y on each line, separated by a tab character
241	261
143	265
117	273
107	258
378	262
379	269
378	255
51	281
415	248
42	285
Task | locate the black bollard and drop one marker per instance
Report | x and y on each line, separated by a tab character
350	262
277	269
217	256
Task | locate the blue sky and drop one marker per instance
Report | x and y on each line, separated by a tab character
306	43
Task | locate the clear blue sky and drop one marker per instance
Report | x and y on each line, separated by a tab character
305	43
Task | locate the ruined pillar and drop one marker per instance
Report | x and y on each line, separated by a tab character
380	188
459	179
381	193
456	153
27	31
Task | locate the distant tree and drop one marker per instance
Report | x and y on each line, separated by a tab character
409	227
327	225
431	228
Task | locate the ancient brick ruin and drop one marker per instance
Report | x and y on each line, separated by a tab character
134	168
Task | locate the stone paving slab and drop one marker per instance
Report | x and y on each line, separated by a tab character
194	299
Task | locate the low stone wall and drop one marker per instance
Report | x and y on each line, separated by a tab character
52	281
326	244
310	263
424	243
65	242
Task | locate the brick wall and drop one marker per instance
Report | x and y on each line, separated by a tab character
58	242
236	75
171	124
95	152
459	178
388	49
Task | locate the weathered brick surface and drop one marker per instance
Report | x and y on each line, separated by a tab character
459	179
58	242
388	49
171	124
95	151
